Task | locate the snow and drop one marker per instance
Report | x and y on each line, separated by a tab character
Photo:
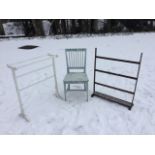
46	27
51	115
13	29
100	24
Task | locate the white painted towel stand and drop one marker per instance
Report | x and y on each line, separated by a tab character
29	62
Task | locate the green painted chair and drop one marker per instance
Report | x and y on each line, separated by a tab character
76	70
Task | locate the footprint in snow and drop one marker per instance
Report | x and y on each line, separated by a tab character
79	129
51	120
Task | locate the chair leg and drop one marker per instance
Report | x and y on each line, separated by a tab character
87	90
65	90
68	87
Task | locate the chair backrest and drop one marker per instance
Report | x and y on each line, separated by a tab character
76	59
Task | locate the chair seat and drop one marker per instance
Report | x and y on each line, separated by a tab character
76	77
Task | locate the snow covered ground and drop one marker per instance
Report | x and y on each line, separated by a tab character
51	115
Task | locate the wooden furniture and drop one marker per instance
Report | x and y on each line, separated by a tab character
76	70
109	97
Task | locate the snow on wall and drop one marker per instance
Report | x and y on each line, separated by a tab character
100	24
46	27
13	28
